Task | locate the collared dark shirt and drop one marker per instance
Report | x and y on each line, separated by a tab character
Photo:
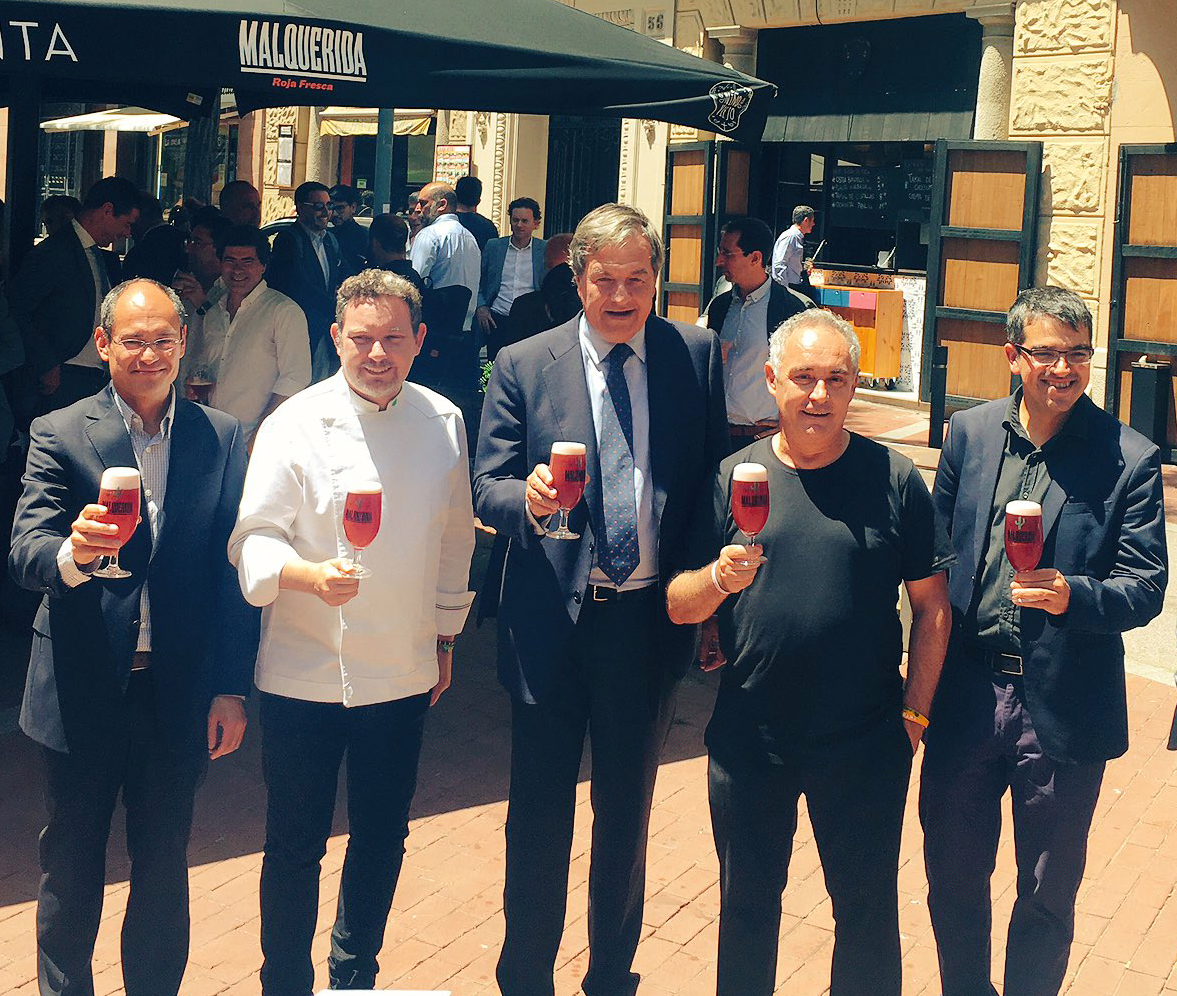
1023	475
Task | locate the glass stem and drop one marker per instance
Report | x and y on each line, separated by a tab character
564	519
114	561
355	556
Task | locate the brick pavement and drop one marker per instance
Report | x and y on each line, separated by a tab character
447	921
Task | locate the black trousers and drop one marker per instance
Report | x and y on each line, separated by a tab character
855	792
158	787
303	744
616	690
984	743
499	336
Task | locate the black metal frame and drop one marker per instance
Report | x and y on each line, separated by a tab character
1027	239
1121	249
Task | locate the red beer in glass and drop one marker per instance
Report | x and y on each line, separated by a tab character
1023	535
361	520
750	498
567	464
118	491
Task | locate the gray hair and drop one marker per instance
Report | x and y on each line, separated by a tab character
1046	302
801	212
368	285
612	225
813	318
110	302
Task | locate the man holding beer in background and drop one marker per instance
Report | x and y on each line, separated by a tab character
1032	698
352	656
811	702
136	674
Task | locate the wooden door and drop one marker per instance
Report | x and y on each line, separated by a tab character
706	183
980	256
1143	313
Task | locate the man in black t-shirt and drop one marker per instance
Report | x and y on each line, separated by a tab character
812	701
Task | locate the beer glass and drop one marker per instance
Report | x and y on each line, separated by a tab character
361	521
1023	535
567	464
118	490
750	500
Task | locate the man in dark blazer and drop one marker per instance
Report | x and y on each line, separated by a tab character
1032	697
511	267
306	265
745	250
584	639
133	684
57	291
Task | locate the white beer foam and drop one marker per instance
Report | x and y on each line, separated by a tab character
568	449
1027	508
365	488
750	472
120	479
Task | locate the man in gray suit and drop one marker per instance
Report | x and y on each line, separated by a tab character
511	267
56	294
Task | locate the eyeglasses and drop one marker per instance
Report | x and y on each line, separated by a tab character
200	243
167	344
729	253
317	207
1080	356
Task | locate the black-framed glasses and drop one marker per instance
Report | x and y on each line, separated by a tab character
317	207
1043	356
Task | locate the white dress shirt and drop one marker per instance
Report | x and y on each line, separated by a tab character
593	350
746	328
88	354
153	456
381	645
788	255
260	351
317	243
445	253
518	277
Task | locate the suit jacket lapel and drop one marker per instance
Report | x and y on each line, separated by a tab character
992	447
192	454
568	390
660	398
537	263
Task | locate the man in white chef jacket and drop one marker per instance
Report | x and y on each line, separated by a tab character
348	665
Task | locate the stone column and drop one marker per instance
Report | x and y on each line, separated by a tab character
739	47
997	59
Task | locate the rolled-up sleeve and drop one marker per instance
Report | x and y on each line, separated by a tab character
457	544
260	545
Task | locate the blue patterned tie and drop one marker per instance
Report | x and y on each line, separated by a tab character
619	553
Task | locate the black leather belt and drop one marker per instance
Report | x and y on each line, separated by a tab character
1001	663
758	431
601	593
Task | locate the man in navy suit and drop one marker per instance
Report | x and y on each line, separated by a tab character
1032	697
307	267
511	267
133	684
56	294
584	638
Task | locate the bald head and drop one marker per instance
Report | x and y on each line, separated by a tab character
441	200
141	339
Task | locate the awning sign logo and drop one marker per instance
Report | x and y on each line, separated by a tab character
731	100
27	39
303	49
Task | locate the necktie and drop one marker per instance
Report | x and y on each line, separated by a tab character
618	556
103	287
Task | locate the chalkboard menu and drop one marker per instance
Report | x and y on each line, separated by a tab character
861	197
873	196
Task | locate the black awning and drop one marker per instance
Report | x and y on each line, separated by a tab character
905	80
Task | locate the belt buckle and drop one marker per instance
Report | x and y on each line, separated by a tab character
599	588
1010	668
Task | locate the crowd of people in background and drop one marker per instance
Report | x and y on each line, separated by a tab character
264	392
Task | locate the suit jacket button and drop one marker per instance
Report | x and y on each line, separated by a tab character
576	597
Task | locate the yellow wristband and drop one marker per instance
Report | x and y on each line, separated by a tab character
916	717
